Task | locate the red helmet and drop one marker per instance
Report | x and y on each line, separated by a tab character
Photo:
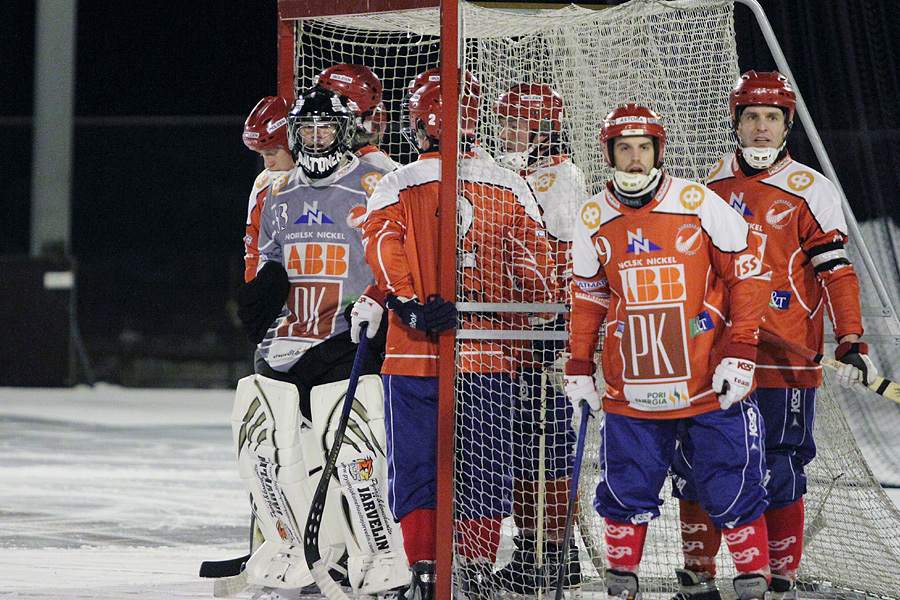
266	127
768	89
423	78
538	102
425	108
357	82
630	120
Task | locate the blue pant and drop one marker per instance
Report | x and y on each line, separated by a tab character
559	437
728	464
484	457
788	415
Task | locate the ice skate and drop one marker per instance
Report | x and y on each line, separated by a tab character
695	586
622	585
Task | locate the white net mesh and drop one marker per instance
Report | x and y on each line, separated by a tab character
678	58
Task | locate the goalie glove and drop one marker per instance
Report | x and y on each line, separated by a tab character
365	310
435	315
261	299
733	380
857	370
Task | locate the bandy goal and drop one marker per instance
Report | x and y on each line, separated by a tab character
680	59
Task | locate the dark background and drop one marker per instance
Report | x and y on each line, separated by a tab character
160	176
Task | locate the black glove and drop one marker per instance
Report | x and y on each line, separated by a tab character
435	315
547	351
261	299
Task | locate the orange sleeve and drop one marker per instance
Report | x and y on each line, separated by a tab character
585	320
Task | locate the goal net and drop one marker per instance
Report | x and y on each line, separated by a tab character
680	59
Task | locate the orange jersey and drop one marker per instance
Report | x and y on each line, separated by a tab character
254	207
501	248
795	212
677	283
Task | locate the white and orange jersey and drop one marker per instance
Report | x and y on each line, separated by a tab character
560	188
313	227
501	248
251	232
796	213
373	155
677	283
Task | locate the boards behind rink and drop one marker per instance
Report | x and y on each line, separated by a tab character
680	59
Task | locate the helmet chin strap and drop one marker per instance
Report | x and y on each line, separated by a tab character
761	158
517	161
635	184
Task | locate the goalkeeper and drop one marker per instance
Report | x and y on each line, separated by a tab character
312	268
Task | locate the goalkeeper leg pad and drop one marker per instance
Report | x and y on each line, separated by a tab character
276	454
373	540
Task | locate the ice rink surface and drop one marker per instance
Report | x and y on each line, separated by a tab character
118	494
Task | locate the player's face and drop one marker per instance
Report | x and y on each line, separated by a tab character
514	134
277	159
633	154
762	127
318	136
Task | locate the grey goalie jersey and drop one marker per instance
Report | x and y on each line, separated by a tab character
313	228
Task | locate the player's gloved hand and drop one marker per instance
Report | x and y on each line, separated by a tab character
578	388
261	299
858	371
365	310
733	380
435	315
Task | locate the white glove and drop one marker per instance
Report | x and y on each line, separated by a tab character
365	310
578	388
857	370
733	380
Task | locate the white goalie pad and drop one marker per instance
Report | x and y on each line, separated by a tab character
374	544
280	459
276	453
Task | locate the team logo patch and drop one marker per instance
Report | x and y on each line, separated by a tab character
747	265
369	181
688	239
362	470
779	214
737	203
780	300
637	243
315	258
545	182
282	530
691	197
800	180
313	216
700	323
590	215
604	252
356	217
716	168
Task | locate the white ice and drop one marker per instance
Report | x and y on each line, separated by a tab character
109	493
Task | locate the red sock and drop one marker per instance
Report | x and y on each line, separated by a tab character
700	540
557	503
478	539
418	529
749	546
525	505
785	538
624	545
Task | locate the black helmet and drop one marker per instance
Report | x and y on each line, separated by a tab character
318	150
